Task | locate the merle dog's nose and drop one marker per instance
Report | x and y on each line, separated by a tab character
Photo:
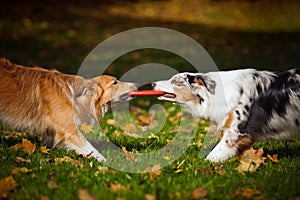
153	85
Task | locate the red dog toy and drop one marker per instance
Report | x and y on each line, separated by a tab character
146	93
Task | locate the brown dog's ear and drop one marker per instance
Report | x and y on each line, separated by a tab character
84	88
203	80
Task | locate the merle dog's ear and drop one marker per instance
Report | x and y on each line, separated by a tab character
203	80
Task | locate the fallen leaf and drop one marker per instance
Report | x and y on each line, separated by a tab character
248	193
273	158
27	146
15	170
44	149
20	159
17	146
175	119
216	169
129	155
144	120
85	195
130	128
117	133
43	197
199	193
197	144
250	160
112	122
24	170
7	184
68	159
154	171
152	136
166	157
150	197
118	187
52	184
86	128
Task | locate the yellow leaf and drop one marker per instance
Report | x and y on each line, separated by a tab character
28	147
24	170
68	159
129	155
166	157
86	128
44	149
250	160
273	158
6	185
178	171
112	122
118	187
153	136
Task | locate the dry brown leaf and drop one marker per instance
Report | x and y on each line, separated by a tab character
144	120
250	160
154	171
199	193
86	128
68	159
175	119
217	169
14	171
20	160
112	122
27	146
129	155
117	133
17	146
7	184
44	149
150	197
118	187
83	194
43	197
248	193
273	158
52	184
130	128
103	170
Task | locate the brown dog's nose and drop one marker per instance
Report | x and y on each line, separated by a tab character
153	85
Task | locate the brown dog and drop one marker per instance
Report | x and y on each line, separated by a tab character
57	104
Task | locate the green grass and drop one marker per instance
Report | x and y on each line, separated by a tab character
178	180
237	34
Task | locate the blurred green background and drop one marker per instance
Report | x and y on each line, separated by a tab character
237	34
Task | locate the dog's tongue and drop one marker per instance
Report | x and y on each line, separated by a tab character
146	93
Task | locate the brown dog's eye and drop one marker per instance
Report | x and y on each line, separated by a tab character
115	82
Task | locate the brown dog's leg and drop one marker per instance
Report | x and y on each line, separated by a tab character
73	140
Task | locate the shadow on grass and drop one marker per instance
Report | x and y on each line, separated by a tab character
60	35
